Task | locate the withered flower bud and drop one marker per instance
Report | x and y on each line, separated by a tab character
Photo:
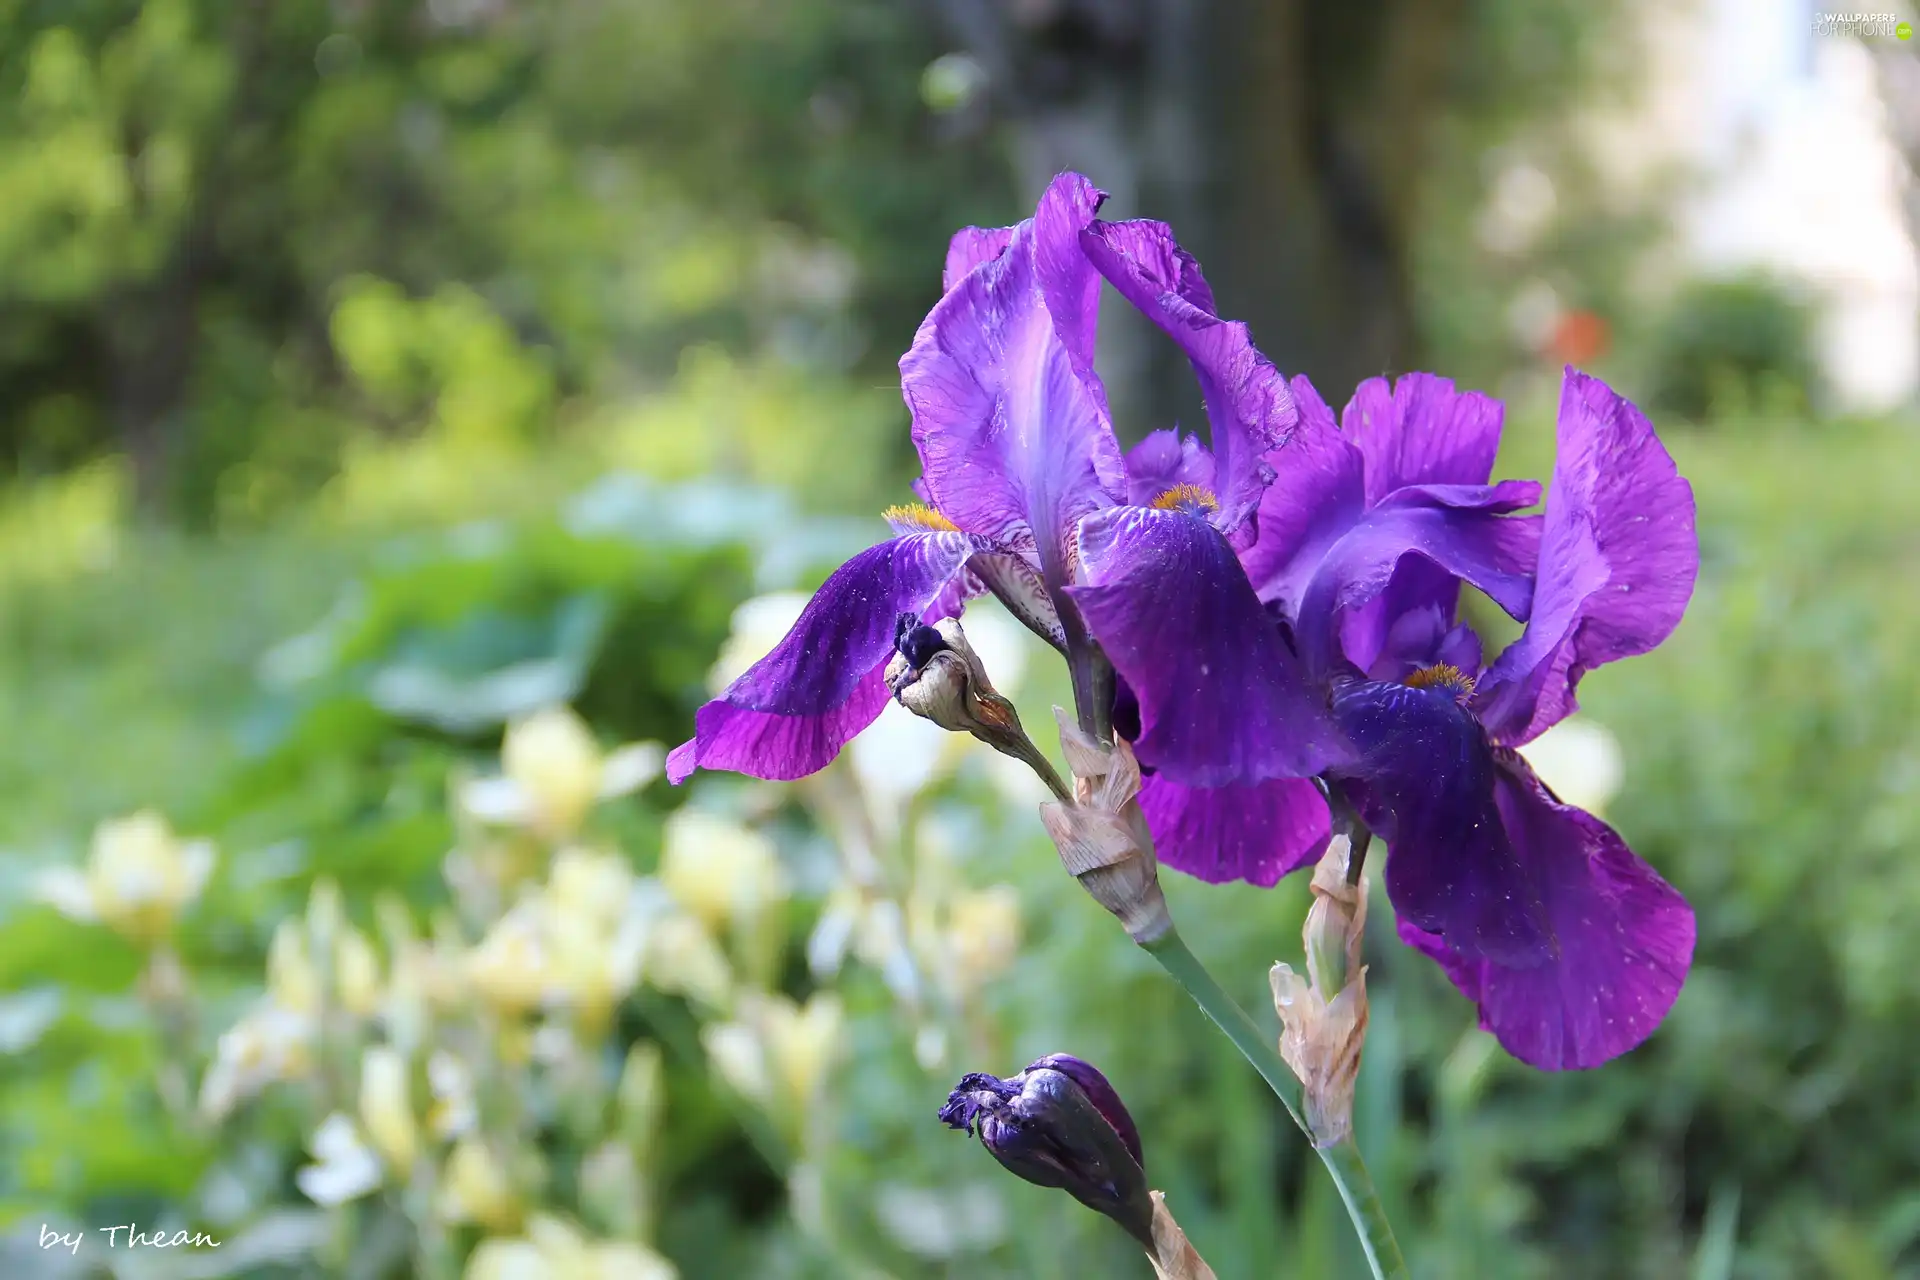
935	674
1060	1124
1323	1017
1102	836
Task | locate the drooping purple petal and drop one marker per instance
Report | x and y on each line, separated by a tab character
1255	833
1422	431
1009	418
1318	493
970	247
1461	529
1248	403
1222	699
1625	938
789	714
1422	778
1618	558
1166	460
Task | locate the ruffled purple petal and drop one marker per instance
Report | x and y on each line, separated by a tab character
789	714
1422	431
1618	558
1222	699
1011	422
1423	778
1318	493
1255	833
1460	529
1165	460
970	247
1625	938
1248	403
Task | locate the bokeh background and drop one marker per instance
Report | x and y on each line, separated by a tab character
378	377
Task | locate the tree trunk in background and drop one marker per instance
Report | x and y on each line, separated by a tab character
1284	140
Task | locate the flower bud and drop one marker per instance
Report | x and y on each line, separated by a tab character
935	674
1323	1017
1060	1124
1102	836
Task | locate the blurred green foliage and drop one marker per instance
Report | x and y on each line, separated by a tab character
1735	346
238	237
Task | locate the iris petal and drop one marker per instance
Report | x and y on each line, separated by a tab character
1248	402
1255	833
1009	418
1618	559
1625	938
1422	778
789	714
1222	698
1318	494
1422	431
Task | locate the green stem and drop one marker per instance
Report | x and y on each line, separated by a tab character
1342	1158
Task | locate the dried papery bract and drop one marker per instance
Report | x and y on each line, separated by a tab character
1323	1017
1102	835
1173	1256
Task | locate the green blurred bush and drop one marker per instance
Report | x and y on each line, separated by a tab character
1732	348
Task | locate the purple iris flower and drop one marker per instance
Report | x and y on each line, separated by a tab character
1573	947
1028	495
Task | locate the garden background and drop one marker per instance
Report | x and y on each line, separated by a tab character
376	374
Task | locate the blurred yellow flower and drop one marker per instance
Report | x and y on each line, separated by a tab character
556	1250
386	1107
269	1044
682	958
454	1111
510	967
553	772
474	1188
343	1169
775	1052
293	973
138	878
589	889
983	928
718	869
356	974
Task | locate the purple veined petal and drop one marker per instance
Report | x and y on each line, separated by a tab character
1422	777
1419	584
1166	460
1625	938
970	247
1458	529
1010	420
1422	432
1255	833
1318	493
1222	699
1618	559
789	714
1017	585
1248	402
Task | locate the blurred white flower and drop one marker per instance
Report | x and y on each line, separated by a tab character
719	870
293	973
758	625
344	1167
776	1052
740	1059
510	968
1003	645
1580	760
139	876
553	772
682	958
898	755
